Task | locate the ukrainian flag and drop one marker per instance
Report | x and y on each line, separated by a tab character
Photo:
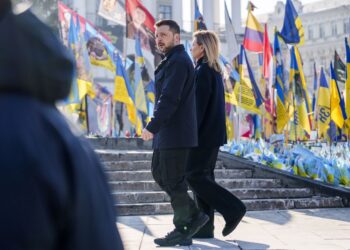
85	82
282	116
323	104
257	127
297	78
150	90
337	113
247	91
254	34
198	18
292	31
140	98
123	91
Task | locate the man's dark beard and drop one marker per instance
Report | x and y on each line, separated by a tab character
167	49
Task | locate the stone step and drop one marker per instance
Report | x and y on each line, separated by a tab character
119	186
261	193
254	204
124	155
120	143
126	165
137	165
146	175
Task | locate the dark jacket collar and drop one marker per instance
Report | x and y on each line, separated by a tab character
175	49
172	51
201	61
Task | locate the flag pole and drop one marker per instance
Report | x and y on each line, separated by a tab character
330	132
294	115
239	111
86	114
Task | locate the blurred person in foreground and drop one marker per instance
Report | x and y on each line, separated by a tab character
54	193
210	105
173	129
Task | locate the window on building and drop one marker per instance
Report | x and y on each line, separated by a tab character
334	29
164	11
322	33
347	26
310	32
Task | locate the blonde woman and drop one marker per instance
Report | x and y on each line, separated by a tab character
210	105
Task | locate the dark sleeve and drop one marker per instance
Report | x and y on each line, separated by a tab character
94	220
203	91
176	74
52	203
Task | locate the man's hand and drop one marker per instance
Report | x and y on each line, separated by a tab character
146	135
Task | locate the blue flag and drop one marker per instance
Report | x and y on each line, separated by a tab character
292	30
198	18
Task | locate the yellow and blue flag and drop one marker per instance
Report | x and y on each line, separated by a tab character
73	38
323	106
199	23
140	98
85	78
254	34
101	51
339	69
257	126
302	100
292	31
151	91
282	116
123	91
337	111
314	98
247	92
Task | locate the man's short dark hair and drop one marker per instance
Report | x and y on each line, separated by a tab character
173	26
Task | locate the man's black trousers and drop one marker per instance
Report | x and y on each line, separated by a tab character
168	170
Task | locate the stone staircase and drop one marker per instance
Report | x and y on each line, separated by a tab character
135	192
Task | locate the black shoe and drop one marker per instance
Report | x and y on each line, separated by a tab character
200	220
174	238
232	224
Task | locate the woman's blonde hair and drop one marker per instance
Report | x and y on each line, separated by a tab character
211	44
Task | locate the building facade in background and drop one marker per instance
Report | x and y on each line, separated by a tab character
326	24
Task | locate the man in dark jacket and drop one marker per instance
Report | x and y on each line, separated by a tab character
52	186
174	131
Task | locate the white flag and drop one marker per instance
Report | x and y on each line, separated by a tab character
232	45
112	10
